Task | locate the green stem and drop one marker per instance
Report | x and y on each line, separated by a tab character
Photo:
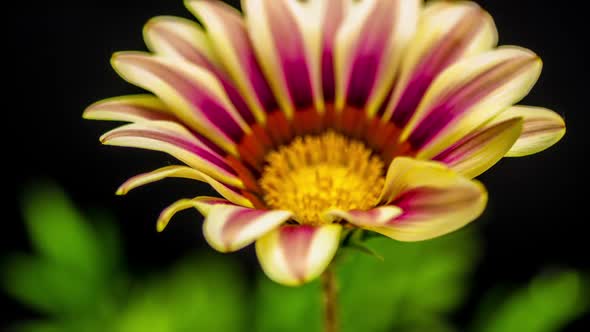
330	298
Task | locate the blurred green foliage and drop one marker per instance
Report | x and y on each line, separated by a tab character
77	280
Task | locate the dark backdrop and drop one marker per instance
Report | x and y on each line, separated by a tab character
58	63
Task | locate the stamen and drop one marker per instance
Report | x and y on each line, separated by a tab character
317	173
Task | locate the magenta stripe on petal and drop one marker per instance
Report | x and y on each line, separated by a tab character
241	41
447	51
295	242
187	145
259	83
236	98
185	49
208	143
328	79
192	55
460	100
196	94
422	203
472	142
370	53
334	16
288	40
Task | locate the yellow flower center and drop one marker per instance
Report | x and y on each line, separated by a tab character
316	173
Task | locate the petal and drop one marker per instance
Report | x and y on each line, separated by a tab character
467	95
179	38
229	228
288	49
329	23
295	254
435	211
368	50
183	39
191	92
228	192
482	149
377	216
134	108
230	40
177	141
202	203
541	129
435	200
447	31
406	173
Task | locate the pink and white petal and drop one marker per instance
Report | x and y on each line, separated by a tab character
229	228
202	203
333	13
288	49
374	217
482	149
135	108
406	173
229	38
467	95
174	139
368	50
182	39
295	254
179	38
193	94
432	211
447	32
230	193
541	129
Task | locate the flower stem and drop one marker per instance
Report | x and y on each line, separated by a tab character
330	298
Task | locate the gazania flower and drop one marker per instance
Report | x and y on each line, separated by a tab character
314	118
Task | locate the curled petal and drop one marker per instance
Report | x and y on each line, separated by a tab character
295	254
177	141
430	212
135	108
192	93
202	203
406	173
434	200
228	192
482	149
229	228
374	217
541	129
467	95
368	50
229	38
447	32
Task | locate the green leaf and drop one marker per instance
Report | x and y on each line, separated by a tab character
287	309
201	294
47	287
415	284
59	232
547	305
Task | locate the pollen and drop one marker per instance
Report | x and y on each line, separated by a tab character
313	174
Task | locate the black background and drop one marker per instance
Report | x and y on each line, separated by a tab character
58	63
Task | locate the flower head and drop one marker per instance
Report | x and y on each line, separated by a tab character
312	118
